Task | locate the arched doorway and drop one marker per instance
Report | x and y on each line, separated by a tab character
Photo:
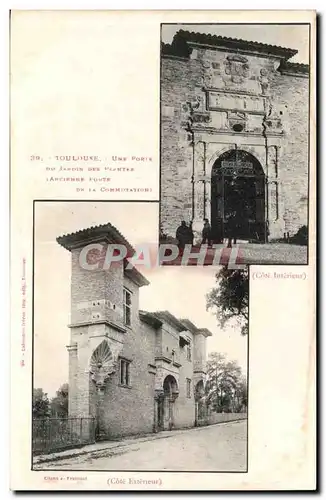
200	404
238	197
165	416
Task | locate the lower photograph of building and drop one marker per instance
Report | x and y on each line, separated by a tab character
136	366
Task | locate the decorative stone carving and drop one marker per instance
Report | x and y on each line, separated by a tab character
255	123
263	80
272	122
189	107
272	161
237	68
208	74
102	364
211	74
237	121
200	157
201	117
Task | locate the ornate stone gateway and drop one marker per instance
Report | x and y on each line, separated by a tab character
238	197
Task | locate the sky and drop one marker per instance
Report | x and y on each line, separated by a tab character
289	36
179	290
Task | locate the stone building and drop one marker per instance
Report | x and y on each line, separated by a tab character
135	371
234	136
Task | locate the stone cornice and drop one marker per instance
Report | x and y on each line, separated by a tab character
134	275
111	324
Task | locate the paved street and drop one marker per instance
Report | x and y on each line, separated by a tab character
252	253
219	447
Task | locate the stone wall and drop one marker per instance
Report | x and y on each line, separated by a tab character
180	83
291	94
218	418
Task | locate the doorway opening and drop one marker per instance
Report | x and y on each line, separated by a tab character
165	407
238	197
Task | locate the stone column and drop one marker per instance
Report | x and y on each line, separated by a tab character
199	190
276	222
196	413
207	189
155	427
73	366
100	417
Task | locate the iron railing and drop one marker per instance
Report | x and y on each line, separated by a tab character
57	434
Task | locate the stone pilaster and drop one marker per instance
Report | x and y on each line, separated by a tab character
72	394
199	179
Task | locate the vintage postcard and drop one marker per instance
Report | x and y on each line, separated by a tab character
163	250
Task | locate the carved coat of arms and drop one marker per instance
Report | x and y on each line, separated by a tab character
237	68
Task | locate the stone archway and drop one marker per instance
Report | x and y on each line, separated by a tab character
238	191
166	401
200	404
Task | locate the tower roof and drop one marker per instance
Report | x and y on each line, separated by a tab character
104	232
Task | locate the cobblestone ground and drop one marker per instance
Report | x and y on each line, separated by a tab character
220	447
251	253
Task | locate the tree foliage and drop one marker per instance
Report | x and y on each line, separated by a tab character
226	387
56	407
41	404
59	404
229	299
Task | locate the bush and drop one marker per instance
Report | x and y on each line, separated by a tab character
301	237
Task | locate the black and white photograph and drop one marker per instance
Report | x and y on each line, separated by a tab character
235	140
136	366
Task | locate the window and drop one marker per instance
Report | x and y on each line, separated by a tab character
124	372
188	381
126	307
189	352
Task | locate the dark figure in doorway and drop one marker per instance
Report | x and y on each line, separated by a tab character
232	228
190	235
182	235
206	233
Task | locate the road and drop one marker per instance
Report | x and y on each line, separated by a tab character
221	447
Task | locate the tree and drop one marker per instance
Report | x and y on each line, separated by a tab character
229	299
225	384
41	404
59	404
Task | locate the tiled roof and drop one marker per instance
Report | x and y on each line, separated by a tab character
289	67
150	319
189	324
182	41
169	318
193	328
104	232
157	318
